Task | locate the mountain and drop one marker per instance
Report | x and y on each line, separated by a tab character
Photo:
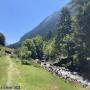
49	24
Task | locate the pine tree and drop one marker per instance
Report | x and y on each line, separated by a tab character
64	28
83	28
82	38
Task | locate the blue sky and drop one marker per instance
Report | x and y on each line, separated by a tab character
20	16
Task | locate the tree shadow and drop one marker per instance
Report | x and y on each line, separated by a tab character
83	68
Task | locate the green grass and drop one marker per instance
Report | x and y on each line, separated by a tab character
34	78
3	70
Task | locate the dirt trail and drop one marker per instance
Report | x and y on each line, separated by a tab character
12	71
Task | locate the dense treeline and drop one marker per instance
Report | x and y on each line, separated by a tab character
31	48
71	39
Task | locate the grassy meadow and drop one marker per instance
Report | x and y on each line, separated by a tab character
13	73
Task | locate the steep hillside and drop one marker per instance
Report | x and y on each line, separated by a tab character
49	24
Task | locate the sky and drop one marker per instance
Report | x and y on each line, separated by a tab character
17	17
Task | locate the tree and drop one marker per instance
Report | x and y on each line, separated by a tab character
83	28
35	46
64	28
49	35
38	41
24	53
31	47
2	39
69	47
49	50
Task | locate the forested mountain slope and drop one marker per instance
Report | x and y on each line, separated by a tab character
49	24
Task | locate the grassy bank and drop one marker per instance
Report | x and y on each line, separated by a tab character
30	77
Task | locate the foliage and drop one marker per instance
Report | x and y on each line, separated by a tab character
49	49
82	28
64	28
38	41
24	53
64	40
2	39
70	40
31	48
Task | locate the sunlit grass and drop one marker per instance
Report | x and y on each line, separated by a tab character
3	70
33	78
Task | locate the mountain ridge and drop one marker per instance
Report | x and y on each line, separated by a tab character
48	24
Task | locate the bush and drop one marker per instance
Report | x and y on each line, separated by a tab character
35	64
26	62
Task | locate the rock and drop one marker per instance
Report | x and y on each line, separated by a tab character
65	74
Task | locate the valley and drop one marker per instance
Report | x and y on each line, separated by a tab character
54	55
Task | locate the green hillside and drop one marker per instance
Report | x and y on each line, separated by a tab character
12	73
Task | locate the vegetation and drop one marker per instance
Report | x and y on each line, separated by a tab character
13	73
64	31
71	39
3	70
48	50
2	39
31	48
